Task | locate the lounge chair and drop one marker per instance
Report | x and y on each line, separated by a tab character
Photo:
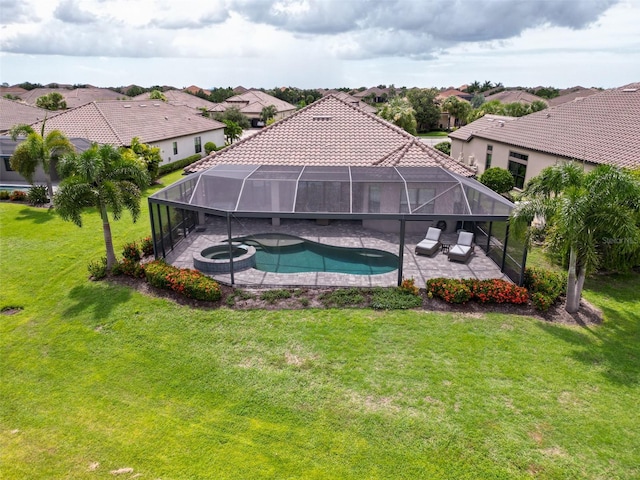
431	243
462	250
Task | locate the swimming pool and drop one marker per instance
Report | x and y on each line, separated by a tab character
282	253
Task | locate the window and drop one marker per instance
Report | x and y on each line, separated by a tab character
518	167
198	143
374	199
421	200
487	163
7	164
175	148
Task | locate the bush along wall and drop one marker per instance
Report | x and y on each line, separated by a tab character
177	165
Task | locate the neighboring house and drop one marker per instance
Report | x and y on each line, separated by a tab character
177	130
598	129
377	95
350	99
452	92
571	94
252	102
14	90
74	97
15	113
513	96
240	90
179	97
194	90
332	132
10	177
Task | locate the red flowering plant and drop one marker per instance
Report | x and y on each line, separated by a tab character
408	285
146	245
496	291
449	290
187	282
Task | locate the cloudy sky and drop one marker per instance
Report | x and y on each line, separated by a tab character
320	43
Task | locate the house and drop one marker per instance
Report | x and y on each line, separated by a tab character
251	103
14	113
571	94
452	92
10	177
373	94
193	90
73	97
179	97
350	99
513	96
598	129
177	130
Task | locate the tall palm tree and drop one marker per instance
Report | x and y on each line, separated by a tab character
100	177
38	149
592	213
268	113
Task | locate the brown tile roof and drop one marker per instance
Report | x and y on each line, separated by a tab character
601	128
117	122
329	132
178	97
512	96
577	93
75	97
378	92
466	133
193	89
350	99
252	102
452	92
14	113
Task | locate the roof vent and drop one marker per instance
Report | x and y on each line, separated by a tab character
156	104
501	123
127	106
322	117
629	89
142	105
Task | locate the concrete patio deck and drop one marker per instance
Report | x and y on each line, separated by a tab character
339	233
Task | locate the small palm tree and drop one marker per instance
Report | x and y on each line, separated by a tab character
588	211
268	113
100	177
38	149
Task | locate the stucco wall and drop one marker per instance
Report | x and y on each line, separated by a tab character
186	145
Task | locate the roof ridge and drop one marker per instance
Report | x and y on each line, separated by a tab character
106	120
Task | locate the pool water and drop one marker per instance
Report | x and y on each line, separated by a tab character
281	253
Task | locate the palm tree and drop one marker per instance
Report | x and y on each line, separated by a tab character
100	177
38	149
591	214
268	113
400	112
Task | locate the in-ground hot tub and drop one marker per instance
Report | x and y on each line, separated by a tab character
216	259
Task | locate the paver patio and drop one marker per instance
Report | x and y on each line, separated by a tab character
338	233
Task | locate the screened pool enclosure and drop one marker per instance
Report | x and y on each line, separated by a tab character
388	195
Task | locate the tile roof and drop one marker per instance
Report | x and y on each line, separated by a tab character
378	92
14	113
512	96
178	97
330	132
576	94
452	92
75	97
466	133
8	146
350	99
600	129
195	89
252	102
117	122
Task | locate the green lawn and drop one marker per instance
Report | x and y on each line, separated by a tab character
91	372
433	134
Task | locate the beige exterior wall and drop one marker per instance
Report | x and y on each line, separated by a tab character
186	145
476	150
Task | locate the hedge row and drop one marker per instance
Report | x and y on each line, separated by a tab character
177	165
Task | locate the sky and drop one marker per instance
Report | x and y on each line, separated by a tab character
320	43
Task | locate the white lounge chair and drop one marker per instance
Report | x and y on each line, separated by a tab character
431	243
462	250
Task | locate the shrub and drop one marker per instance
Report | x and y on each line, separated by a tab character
210	147
444	147
497	179
18	196
542	301
177	165
131	251
187	282
146	246
496	291
128	267
4	195
394	299
37	195
545	286
342	297
272	296
98	269
449	290
409	285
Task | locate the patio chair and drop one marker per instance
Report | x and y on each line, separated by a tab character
431	243
462	250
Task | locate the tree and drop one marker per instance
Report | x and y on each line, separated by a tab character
51	101
497	179
477	100
232	131
427	111
210	147
459	109
38	149
400	112
233	114
268	113
103	178
594	216
157	95
148	157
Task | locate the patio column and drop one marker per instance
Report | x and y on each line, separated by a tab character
504	246
230	247
401	252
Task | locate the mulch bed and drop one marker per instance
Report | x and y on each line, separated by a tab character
304	298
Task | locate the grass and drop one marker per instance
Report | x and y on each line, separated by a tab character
97	373
437	133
